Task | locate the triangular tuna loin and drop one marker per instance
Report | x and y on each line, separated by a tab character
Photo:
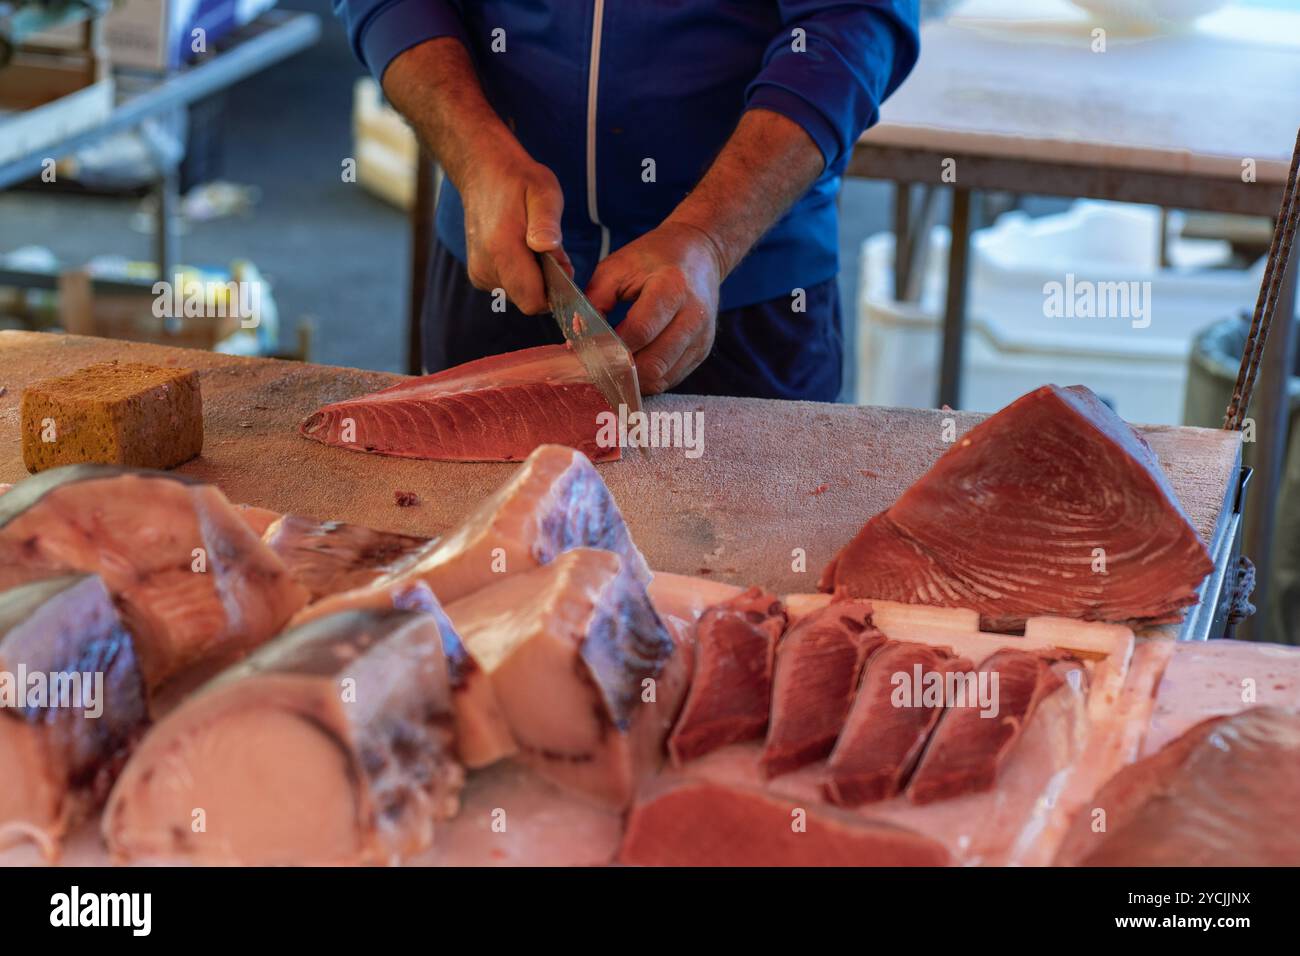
194	583
731	691
818	663
555	502
885	733
1053	506
493	409
1223	794
571	650
971	741
59	755
332	744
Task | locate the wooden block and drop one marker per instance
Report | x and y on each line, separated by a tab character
127	413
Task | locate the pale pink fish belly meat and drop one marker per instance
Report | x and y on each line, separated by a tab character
498	408
327	557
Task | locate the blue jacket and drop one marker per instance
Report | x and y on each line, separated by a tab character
669	80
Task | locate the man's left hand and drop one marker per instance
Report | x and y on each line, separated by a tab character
673	273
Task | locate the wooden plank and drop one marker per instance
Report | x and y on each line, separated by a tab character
781	486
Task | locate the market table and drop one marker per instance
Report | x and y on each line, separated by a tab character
775	476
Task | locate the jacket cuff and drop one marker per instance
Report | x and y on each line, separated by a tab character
791	105
404	24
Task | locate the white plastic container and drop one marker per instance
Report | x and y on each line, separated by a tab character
1131	346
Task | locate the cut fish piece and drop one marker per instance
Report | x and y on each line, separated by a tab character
193	581
327	557
970	743
680	599
887	729
498	408
1016	520
818	663
572	650
332	744
731	691
681	821
1225	793
259	519
555	502
60	751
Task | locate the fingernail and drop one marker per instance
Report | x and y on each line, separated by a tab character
545	236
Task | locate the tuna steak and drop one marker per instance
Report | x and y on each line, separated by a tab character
1225	793
731	691
194	583
332	744
680	821
59	754
555	502
326	557
818	664
970	744
1013	521
885	733
571	650
498	408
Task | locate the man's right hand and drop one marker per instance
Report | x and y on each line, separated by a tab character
512	212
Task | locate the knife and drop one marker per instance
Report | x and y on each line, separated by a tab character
607	360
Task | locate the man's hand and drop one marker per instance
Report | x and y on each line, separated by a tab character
673	272
512	212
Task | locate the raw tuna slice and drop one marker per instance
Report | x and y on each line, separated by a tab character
818	664
259	519
1225	793
1017	518
555	502
494	409
332	744
326	557
731	691
885	733
59	753
680	821
582	670
970	743
194	583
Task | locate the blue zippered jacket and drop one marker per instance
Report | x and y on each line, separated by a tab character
668	80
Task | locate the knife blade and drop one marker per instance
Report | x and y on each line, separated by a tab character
606	359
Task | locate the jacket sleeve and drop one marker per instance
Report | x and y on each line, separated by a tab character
832	77
378	30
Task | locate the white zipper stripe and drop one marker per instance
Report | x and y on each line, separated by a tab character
593	82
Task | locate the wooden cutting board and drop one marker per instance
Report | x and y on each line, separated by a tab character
776	479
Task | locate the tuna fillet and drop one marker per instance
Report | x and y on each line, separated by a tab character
731	690
498	408
889	723
555	502
1016	519
680	821
970	743
332	744
326	557
582	671
1225	793
60	751
193	581
818	664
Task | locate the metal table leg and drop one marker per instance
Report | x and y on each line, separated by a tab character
166	192
954	316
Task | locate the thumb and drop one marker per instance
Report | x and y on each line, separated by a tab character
608	283
543	206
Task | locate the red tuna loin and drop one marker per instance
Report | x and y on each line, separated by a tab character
331	744
681	821
883	738
59	758
1006	523
731	690
194	583
818	663
1225	793
568	649
326	557
493	409
968	747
